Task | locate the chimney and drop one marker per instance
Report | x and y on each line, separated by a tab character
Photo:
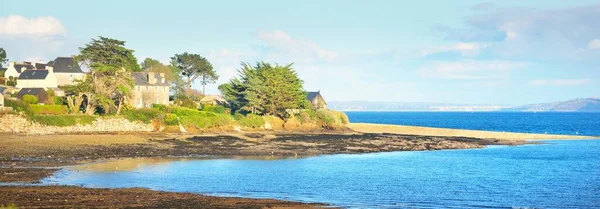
151	78
162	78
11	64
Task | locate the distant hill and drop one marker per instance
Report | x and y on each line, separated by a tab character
408	106
576	105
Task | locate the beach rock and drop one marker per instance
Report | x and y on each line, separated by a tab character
13	123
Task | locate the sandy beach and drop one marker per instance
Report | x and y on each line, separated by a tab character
446	132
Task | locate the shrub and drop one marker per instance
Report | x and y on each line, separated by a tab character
183	111
200	122
29	99
214	108
160	107
189	103
63	120
50	109
252	121
18	105
275	122
238	116
145	115
171	119
60	100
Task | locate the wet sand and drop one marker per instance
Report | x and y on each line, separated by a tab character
416	130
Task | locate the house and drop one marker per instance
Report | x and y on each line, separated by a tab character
15	69
66	70
316	100
40	93
37	79
150	88
214	100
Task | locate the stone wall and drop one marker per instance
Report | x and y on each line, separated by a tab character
12	123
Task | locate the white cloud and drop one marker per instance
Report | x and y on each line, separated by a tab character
560	82
38	26
464	48
469	69
594	44
306	50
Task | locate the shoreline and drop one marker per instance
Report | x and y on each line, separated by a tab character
448	132
30	158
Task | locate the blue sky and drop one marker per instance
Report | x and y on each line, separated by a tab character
479	52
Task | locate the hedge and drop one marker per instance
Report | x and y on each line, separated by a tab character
160	107
50	109
63	120
252	121
145	115
215	108
184	111
200	122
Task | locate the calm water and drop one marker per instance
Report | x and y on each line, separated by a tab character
561	174
546	122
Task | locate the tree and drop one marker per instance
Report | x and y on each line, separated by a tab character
265	89
2	57
194	66
110	81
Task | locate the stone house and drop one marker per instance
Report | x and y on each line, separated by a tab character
66	70
40	93
37	79
316	99
150	88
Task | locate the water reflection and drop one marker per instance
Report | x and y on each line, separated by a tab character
131	164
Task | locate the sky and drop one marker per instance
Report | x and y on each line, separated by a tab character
468	52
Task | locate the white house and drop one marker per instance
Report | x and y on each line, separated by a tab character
66	70
15	69
37	79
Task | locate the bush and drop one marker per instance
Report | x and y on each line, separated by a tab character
238	116
60	100
252	121
171	119
200	122
215	108
275	122
160	107
29	99
63	120
183	111
145	115
189	103
50	109
18	105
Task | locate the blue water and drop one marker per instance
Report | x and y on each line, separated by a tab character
561	174
525	122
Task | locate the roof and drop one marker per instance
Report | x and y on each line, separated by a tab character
65	65
18	67
211	98
31	91
141	79
310	96
40	66
3	69
34	74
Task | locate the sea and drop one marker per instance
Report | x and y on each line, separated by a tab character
555	174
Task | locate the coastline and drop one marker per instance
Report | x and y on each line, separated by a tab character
30	158
447	132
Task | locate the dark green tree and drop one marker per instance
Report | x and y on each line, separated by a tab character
2	57
266	89
194	66
111	65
